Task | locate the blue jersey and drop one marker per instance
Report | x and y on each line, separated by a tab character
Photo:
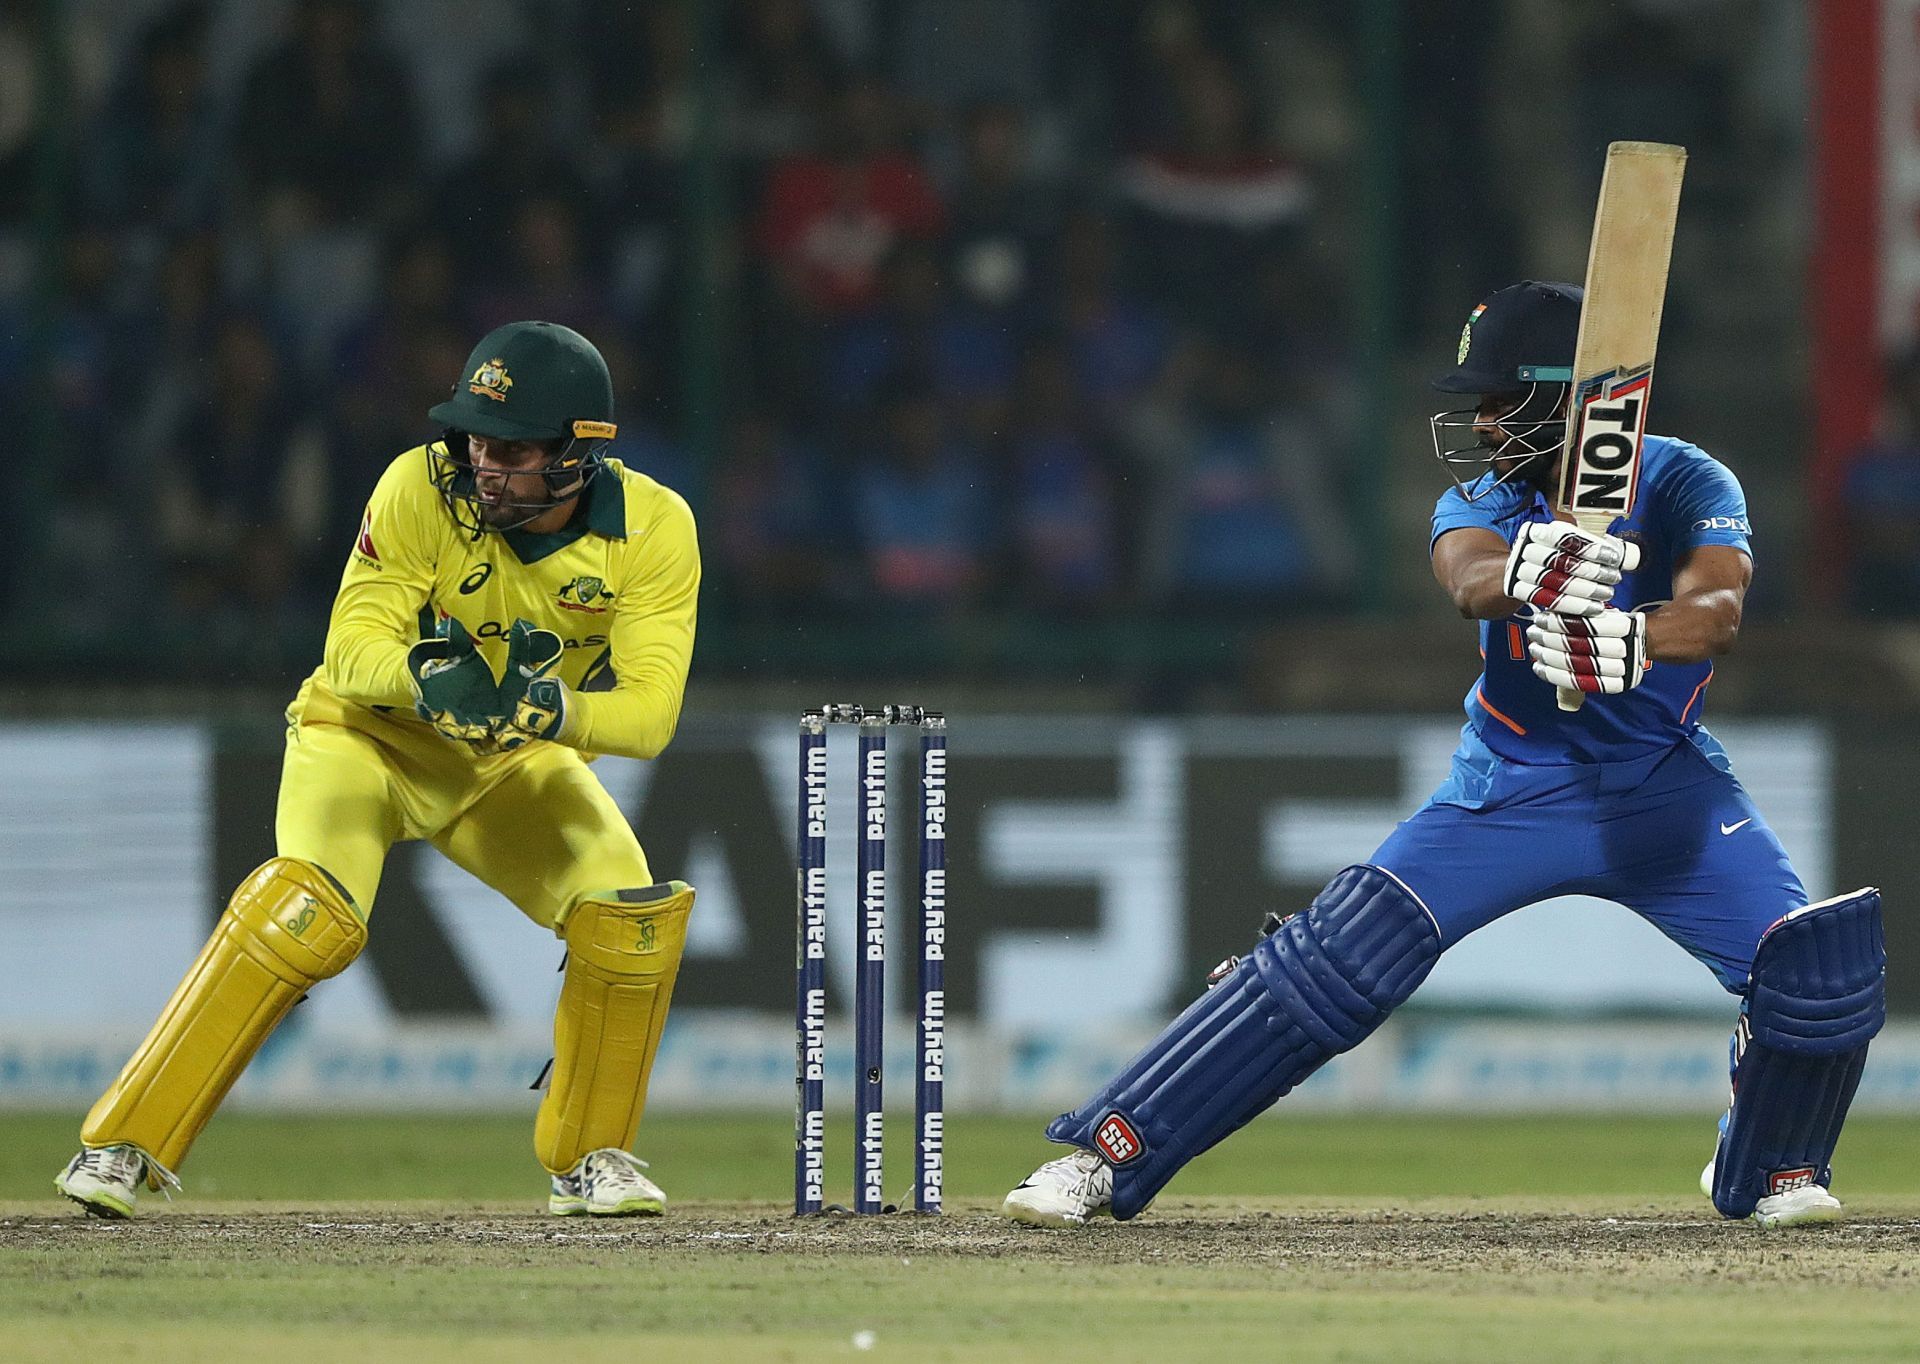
1687	499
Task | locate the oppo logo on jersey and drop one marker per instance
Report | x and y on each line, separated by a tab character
493	629
1738	523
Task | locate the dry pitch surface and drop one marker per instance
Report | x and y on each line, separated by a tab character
1865	1250
1399	1254
723	1281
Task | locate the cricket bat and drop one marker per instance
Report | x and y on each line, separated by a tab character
1619	329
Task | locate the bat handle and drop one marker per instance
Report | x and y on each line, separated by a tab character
1570	698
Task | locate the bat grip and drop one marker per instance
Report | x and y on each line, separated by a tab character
1570	698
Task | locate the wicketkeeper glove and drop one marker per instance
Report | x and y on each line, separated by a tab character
454	689
542	713
1606	653
535	701
1556	566
531	652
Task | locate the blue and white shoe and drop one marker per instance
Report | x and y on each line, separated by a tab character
606	1183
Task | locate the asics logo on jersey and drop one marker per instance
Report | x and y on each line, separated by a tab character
473	580
1738	523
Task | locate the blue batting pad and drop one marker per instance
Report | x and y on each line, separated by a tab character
1817	997
1317	986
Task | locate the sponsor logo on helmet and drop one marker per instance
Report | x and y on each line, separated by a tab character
1116	1140
491	380
1466	334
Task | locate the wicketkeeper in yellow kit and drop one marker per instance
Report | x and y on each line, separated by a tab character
514	600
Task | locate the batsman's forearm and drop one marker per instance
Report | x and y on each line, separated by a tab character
1477	589
1694	628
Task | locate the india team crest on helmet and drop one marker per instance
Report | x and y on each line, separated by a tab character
491	380
1466	334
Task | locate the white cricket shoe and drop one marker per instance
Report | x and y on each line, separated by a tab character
106	1180
1806	1206
1809	1205
606	1183
1063	1192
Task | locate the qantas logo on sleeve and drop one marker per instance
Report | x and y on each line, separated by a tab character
1116	1140
363	546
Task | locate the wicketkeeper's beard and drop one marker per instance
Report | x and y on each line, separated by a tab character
509	510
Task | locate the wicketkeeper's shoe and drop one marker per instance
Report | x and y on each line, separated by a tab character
1809	1205
606	1183
1063	1192
106	1180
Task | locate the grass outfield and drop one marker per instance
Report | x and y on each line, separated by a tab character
1311	1238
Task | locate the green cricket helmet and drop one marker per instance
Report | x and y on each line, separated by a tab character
531	381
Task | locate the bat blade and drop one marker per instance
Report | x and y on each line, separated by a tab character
1626	291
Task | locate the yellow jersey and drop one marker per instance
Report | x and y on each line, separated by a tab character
618	584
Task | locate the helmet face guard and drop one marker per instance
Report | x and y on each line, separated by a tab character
1534	430
1516	349
526	381
572	464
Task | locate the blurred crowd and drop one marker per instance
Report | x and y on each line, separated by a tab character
1030	311
995	305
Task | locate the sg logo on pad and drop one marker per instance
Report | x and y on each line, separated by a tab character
1116	1140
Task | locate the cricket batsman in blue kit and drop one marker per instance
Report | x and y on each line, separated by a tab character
1627	798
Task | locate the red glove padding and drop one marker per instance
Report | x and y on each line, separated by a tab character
1604	653
1556	566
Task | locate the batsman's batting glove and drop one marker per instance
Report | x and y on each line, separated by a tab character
1606	653
454	689
1556	566
531	652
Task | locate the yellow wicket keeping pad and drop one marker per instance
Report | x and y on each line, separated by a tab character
287	927
623	953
